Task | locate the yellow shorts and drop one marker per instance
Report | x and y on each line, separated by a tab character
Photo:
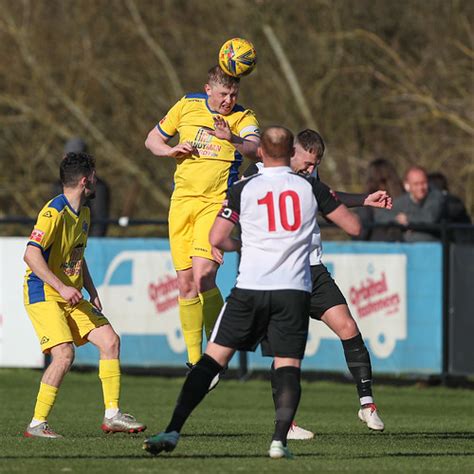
56	322
189	224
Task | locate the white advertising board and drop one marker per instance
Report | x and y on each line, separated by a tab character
375	288
18	342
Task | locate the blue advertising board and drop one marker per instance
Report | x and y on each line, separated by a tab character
394	292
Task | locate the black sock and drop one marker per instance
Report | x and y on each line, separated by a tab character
358	362
273	382
286	397
194	389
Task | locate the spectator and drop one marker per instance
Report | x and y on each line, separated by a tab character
99	203
419	205
454	210
381	175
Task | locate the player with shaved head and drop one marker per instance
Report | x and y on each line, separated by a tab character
270	302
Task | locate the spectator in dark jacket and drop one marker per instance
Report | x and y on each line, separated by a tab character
454	210
381	174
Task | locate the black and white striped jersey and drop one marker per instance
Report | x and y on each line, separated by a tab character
276	209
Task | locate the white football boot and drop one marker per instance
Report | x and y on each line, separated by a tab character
369	415
296	432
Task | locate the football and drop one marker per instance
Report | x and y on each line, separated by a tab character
237	57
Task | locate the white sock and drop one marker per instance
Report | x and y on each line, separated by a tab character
35	423
111	412
366	400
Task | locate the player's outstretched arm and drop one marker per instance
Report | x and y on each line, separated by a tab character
90	287
245	146
220	235
157	144
379	199
34	259
346	220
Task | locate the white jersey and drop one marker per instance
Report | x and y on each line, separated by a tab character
277	213
316	249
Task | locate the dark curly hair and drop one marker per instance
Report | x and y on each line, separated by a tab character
74	166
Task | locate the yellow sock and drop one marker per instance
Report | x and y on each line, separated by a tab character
190	314
109	374
212	303
44	401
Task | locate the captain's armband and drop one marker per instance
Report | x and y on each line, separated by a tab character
229	214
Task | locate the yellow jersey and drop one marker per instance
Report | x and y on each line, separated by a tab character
61	234
214	166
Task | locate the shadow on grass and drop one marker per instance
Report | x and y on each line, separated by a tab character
413	455
148	456
238	456
223	435
138	436
405	434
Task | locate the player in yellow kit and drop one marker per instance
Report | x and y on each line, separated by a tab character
214	132
56	274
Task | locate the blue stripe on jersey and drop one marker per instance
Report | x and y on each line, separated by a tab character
59	203
238	108
234	169
35	244
35	289
162	131
35	284
208	108
46	253
196	95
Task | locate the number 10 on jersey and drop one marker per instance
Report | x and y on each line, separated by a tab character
284	199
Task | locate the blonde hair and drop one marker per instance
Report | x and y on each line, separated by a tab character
216	75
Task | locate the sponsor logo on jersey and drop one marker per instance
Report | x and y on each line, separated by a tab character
74	265
203	143
72	268
44	340
47	214
37	235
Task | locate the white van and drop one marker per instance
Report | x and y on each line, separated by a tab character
140	296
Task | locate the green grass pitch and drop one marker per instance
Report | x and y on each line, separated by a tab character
427	429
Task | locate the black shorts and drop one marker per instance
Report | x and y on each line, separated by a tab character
325	293
278	316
